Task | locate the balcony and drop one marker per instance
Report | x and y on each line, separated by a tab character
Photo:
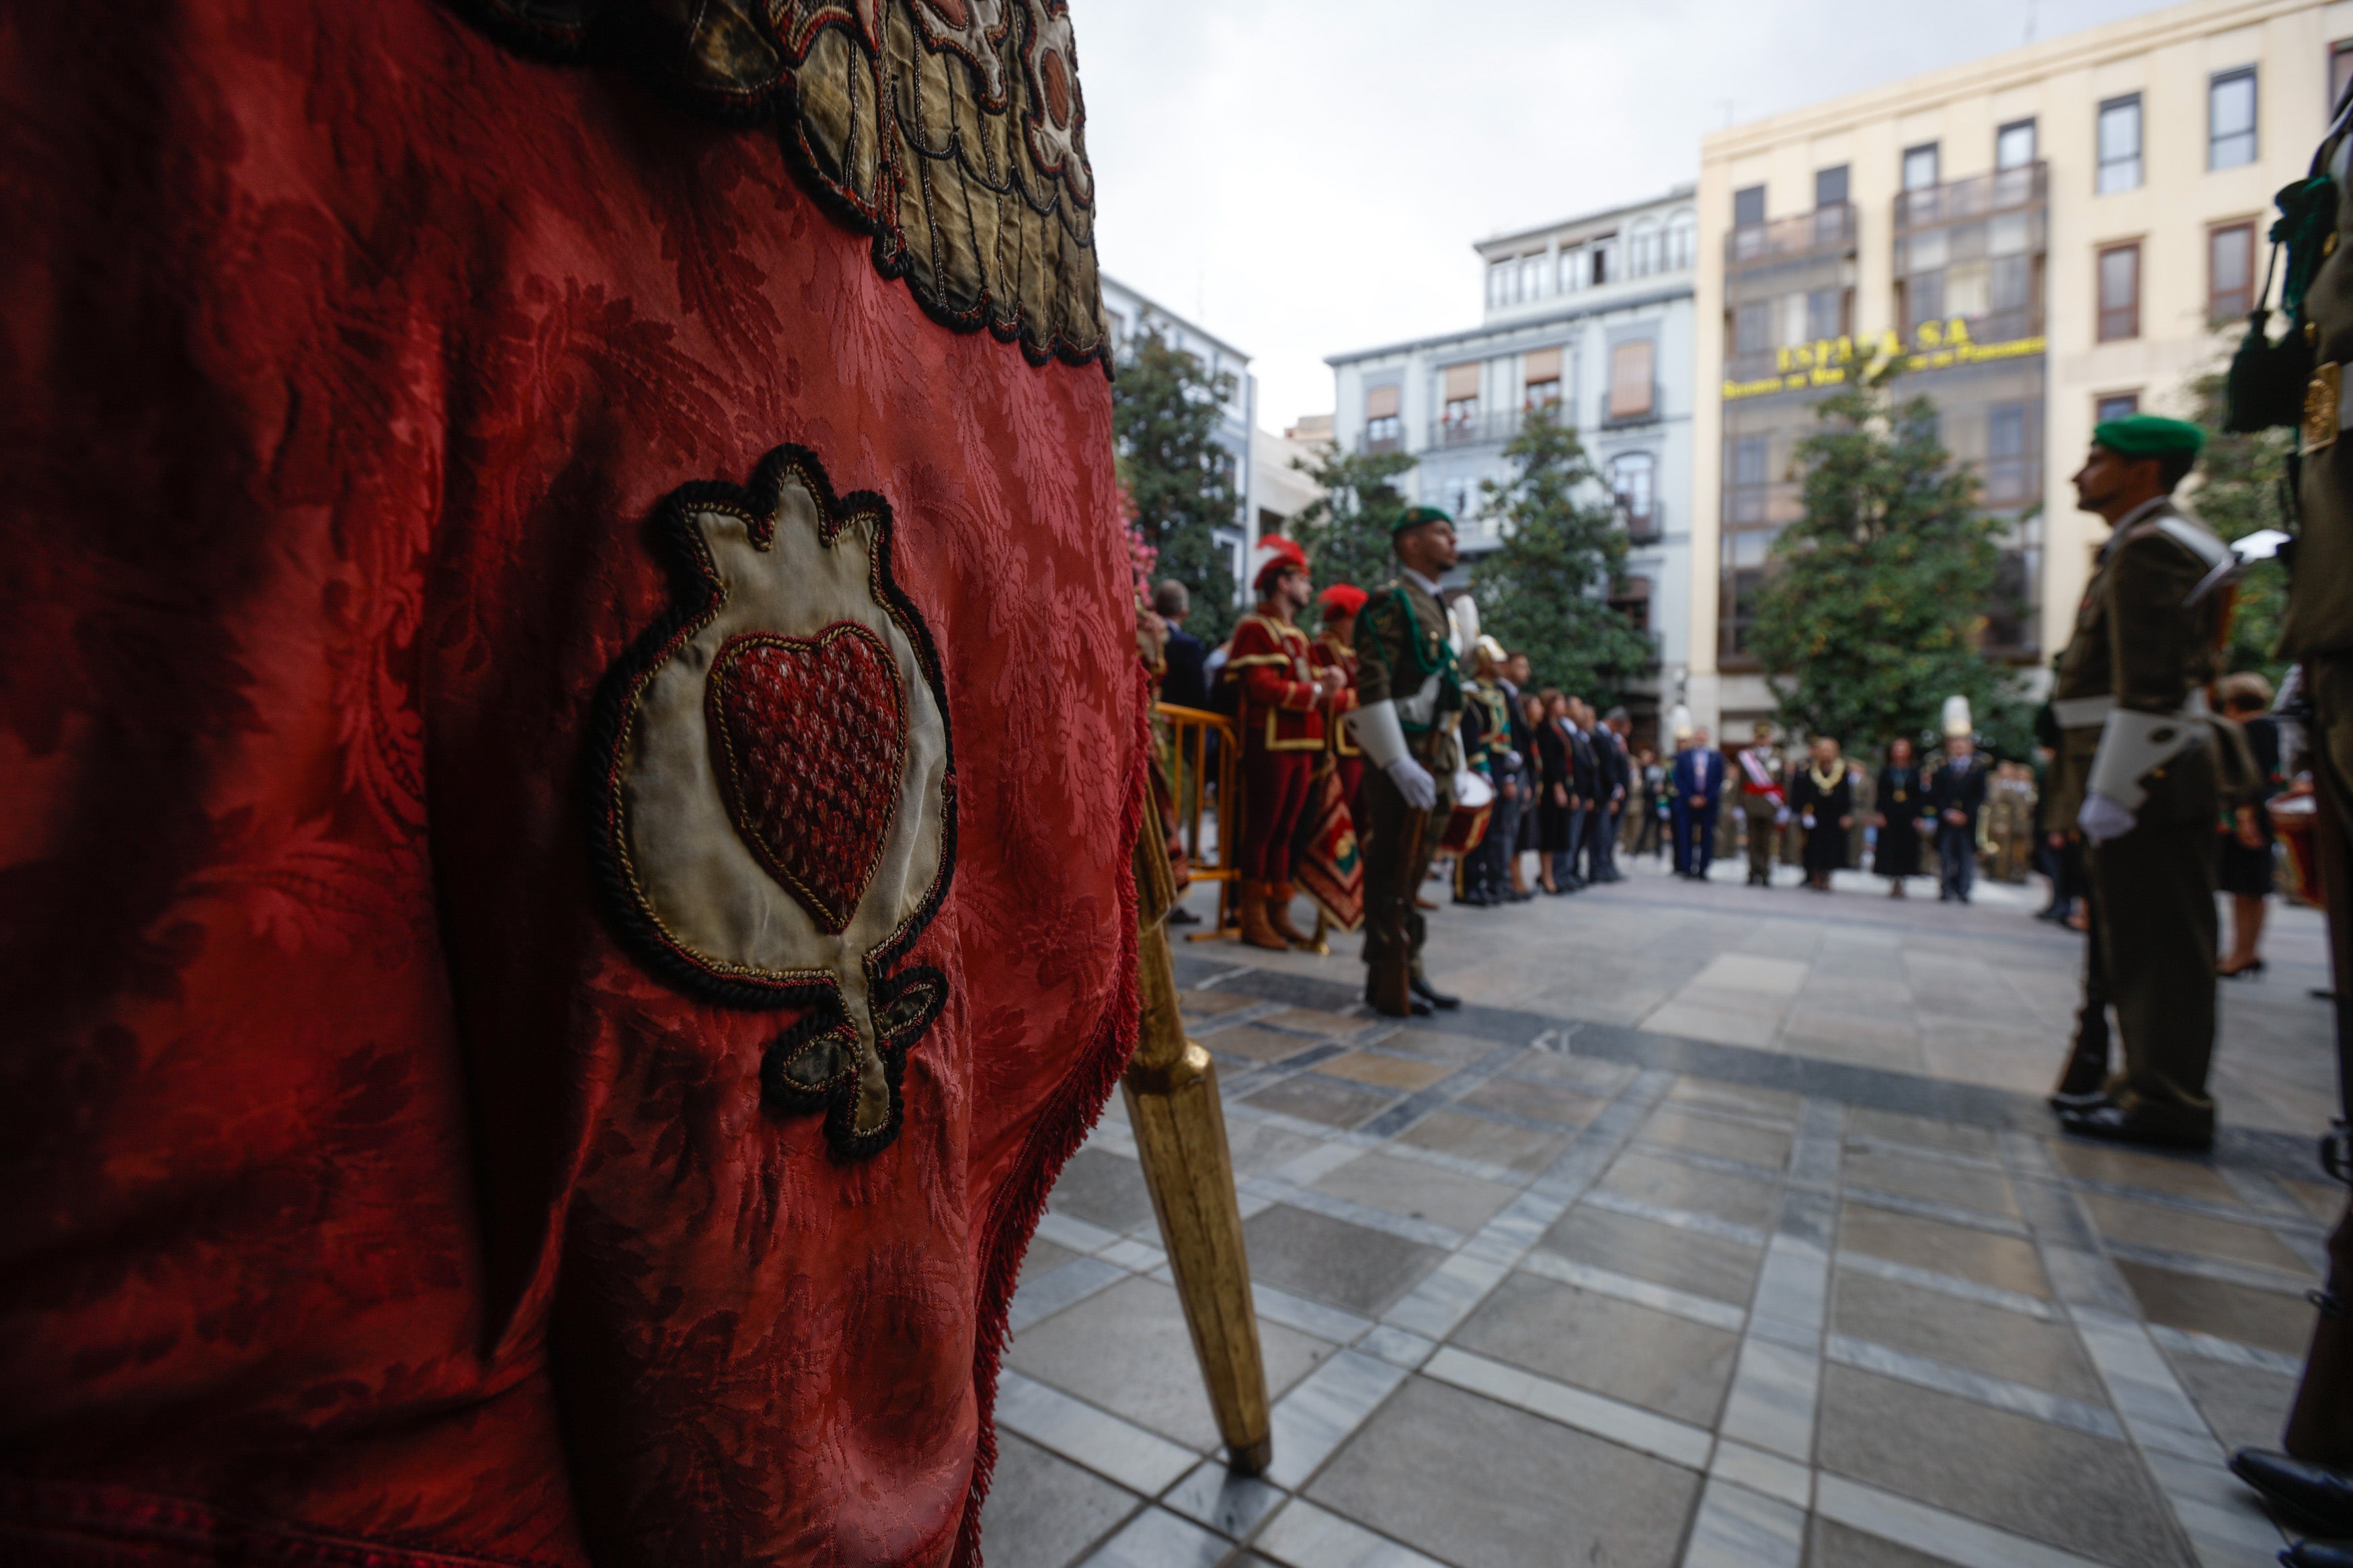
1981	195
1648	526
1479	429
1829	229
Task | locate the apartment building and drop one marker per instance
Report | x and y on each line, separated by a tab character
1127	313
1591	317
2054	235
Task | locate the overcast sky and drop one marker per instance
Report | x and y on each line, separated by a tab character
1304	177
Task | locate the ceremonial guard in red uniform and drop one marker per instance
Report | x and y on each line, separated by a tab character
1335	648
1281	721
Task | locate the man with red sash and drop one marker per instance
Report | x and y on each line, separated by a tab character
1762	803
1281	721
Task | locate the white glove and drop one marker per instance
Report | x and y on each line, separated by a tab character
2103	818
1413	782
1807	822
1781	817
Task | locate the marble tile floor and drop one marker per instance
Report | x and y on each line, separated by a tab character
1537	1289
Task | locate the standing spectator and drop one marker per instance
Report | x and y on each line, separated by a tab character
1554	820
1187	684
1822	793
1699	791
1584	782
1957	792
1651	832
2246	833
1763	802
1900	801
1616	789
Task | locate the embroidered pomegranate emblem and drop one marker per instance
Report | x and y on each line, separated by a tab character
776	798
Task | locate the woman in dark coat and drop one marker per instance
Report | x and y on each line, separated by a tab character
2244	868
1901	799
1554	777
1823	799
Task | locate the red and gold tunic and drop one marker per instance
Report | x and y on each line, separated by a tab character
1280	708
1328	652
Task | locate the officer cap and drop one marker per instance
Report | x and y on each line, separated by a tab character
2148	436
1415	516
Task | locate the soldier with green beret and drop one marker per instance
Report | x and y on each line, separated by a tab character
1408	698
2136	772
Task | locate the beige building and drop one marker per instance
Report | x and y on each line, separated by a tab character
2057	234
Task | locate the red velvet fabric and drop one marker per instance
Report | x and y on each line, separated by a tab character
364	1201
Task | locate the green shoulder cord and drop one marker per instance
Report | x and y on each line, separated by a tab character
1450	677
2265	387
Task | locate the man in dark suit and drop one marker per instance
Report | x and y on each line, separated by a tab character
1957	792
1186	683
1616	789
1699	791
1585	785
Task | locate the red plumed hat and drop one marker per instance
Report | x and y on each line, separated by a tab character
1342	600
1273	555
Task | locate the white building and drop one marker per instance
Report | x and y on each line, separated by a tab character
1128	314
1593	316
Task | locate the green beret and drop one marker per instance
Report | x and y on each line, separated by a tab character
2148	436
1415	516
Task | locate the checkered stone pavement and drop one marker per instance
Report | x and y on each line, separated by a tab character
1535	1289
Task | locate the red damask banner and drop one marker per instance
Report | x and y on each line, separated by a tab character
570	749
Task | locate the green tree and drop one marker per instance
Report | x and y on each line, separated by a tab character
2239	491
1165	408
1345	530
1873	608
1544	592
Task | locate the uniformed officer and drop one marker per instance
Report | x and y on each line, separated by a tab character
2136	770
1762	802
2316	1474
1408	693
1283	701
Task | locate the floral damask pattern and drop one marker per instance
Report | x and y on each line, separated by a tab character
953	131
371	1199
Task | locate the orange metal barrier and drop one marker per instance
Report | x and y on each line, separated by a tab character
1199	770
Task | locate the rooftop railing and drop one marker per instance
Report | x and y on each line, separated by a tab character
1825	228
2004	190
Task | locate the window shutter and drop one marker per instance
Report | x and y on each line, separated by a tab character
1629	379
1461	381
1542	365
1381	403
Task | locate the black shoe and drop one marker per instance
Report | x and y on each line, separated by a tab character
2109	1123
1178	915
2320	1554
2316	1495
2068	1103
1522	895
1431	995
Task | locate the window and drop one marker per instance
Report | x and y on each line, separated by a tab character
1825	314
2119	293
2230	271
1540	374
2009	284
1630	379
1924	299
1605	263
1499	284
1920	167
2231	119
1748	206
2115	405
1460	495
1462	397
1752	327
1632	484
1532	271
2340	69
1682	242
2013	145
1383	429
2011	439
2119	142
1829	187
1745	497
1572	257
1632	601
